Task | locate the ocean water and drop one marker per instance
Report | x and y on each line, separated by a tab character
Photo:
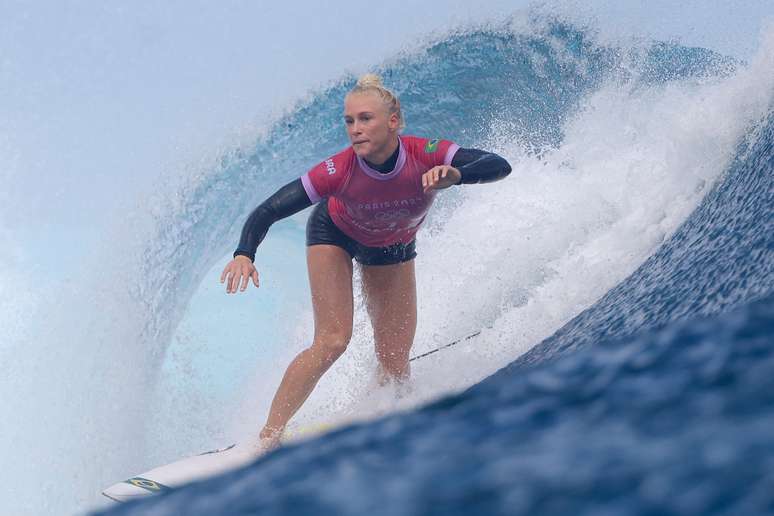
619	281
649	176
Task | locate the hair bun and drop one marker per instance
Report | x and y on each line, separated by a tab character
370	80
372	84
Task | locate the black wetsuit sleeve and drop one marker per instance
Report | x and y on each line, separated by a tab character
288	200
479	166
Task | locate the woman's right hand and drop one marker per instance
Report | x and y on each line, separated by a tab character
239	271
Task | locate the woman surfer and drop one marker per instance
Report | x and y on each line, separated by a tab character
371	199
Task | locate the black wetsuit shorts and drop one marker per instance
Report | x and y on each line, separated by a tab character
320	229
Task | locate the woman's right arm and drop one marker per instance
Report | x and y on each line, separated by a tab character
287	201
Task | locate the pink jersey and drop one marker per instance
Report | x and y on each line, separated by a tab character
374	208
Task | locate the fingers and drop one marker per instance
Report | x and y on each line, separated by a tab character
247	274
435	178
233	278
427	180
237	277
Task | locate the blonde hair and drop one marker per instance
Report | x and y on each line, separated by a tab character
372	83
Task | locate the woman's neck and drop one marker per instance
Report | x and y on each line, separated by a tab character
388	163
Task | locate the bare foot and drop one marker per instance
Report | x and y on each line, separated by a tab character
269	439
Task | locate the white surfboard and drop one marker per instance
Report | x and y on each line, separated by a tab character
180	472
200	466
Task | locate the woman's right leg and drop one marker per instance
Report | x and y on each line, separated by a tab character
330	280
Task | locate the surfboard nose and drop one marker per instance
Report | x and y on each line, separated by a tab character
134	488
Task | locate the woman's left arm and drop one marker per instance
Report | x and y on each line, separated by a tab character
468	166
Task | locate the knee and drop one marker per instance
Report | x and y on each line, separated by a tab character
333	345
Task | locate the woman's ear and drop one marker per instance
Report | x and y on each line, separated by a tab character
394	122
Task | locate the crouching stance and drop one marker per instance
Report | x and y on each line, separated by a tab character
370	200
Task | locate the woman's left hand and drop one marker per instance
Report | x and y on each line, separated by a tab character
440	177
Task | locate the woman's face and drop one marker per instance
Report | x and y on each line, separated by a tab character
371	129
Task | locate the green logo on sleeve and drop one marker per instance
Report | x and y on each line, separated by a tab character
432	146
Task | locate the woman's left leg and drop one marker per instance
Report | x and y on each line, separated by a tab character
391	300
